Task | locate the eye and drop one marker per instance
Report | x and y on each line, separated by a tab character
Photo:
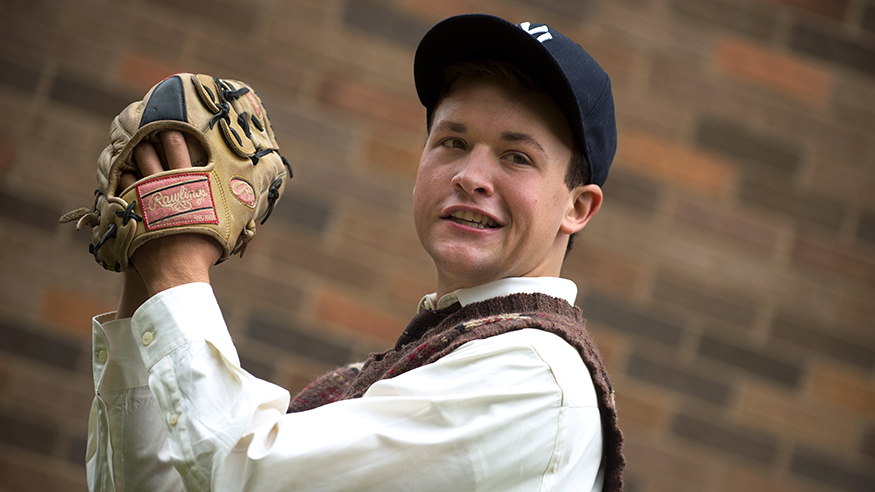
453	143
518	158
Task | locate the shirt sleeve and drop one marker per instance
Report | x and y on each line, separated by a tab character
493	415
127	446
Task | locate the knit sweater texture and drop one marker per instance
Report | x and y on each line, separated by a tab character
434	334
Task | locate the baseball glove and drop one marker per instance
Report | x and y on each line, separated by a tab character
236	179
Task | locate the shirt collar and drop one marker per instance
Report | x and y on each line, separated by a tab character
562	288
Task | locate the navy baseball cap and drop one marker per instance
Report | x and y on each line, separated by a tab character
580	87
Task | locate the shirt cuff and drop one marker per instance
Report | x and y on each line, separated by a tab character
178	316
116	358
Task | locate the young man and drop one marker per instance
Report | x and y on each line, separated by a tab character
494	385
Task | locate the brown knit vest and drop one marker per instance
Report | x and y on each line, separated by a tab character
434	334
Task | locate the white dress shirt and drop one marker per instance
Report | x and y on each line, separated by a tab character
514	412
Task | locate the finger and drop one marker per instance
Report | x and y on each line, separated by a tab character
126	180
175	149
147	159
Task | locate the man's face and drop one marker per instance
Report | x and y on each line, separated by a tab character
490	200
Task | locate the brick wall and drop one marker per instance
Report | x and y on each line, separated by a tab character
729	278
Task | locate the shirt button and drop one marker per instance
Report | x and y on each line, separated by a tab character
101	356
148	337
174	418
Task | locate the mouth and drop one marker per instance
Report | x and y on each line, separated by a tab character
473	220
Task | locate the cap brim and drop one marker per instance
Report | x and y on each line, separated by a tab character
479	37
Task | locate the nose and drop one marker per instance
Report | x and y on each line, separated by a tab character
473	175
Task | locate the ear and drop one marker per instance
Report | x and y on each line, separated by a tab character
585	201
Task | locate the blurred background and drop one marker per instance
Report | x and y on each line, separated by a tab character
729	278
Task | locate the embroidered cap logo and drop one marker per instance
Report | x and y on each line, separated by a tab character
542	30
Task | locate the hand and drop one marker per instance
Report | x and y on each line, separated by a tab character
172	260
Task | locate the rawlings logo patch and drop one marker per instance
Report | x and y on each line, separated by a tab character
177	200
243	191
254	103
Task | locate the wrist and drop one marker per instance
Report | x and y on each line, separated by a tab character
176	260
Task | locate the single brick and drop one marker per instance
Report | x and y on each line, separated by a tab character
5	377
748	19
303	211
744	443
834	9
299	129
856	310
27	435
614	348
258	366
289	247
156	36
635	192
143	71
833	259
406	288
819	339
28	211
764	365
802	207
88	96
757	479
774	70
77	450
54	351
654	466
7	156
721	305
866	227
741	231
357	316
345	184
385	22
73	310
24	474
835	49
23	78
237	17
391	237
395	155
844	388
570	10
689	382
634	321
616	56
867	442
257	288
370	102
844	144
298	342
611	272
31	28
827	470
673	162
794	418
854	102
642	412
686	85
867	20
753	151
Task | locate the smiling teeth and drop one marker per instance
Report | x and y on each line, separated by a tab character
476	220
